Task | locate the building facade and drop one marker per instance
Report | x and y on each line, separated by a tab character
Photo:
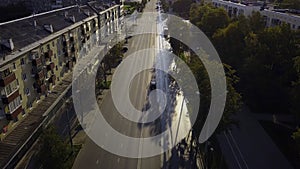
272	17
38	51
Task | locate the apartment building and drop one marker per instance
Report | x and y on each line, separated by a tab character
271	16
38	51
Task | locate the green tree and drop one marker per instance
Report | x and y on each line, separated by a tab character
290	4
267	71
296	137
208	18
256	22
295	90
182	7
230	42
54	152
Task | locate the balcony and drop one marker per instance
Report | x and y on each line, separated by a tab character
52	79
39	75
69	64
11	97
14	113
37	62
83	32
48	54
7	80
66	54
50	66
66	43
42	88
73	49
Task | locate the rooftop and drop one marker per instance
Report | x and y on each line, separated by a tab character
20	33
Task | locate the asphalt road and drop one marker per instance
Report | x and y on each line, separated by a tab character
94	157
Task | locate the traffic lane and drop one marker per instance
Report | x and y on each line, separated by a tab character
123	125
95	156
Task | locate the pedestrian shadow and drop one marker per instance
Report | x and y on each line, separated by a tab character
182	157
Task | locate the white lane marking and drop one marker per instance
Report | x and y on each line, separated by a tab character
233	152
241	155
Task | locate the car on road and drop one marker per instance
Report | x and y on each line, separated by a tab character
153	83
187	114
124	49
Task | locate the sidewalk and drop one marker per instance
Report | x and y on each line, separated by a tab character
249	146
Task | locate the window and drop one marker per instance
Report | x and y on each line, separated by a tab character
22	61
14	104
15	119
56	68
54	55
3	92
48	47
14	66
52	43
6	72
27	91
11	88
24	76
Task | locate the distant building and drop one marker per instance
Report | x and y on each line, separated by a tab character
36	53
38	6
272	17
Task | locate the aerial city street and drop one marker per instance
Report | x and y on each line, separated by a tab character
150	84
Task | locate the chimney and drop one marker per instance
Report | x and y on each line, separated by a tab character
49	28
87	13
72	18
8	43
11	44
34	23
66	14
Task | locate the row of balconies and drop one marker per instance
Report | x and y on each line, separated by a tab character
7	79
14	114
48	54
37	61
6	99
